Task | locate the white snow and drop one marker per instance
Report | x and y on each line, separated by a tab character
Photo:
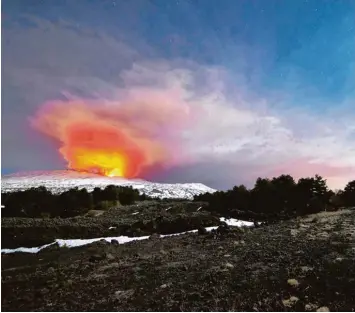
235	222
189	231
28	250
135	213
70	243
62	180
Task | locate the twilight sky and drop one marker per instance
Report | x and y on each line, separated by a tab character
233	89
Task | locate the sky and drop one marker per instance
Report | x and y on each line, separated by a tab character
242	89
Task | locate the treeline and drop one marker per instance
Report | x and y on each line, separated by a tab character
40	202
280	196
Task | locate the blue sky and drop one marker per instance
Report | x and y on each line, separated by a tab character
296	58
314	38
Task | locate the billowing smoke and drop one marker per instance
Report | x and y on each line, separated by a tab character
172	123
115	138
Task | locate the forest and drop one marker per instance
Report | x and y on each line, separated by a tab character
280	197
40	202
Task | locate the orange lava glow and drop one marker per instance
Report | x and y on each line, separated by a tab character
108	139
102	150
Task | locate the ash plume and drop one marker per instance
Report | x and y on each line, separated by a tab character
113	138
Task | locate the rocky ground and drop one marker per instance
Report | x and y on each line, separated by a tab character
143	218
305	264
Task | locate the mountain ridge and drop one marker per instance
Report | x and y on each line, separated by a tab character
58	181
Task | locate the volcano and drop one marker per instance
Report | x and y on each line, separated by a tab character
61	180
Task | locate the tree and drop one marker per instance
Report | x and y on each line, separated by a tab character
312	195
284	188
128	196
111	193
262	196
97	195
240	198
348	196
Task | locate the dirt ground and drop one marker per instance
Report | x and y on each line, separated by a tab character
305	264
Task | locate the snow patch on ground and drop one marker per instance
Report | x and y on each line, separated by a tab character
71	243
235	222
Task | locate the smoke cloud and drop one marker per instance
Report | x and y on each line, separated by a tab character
119	108
125	137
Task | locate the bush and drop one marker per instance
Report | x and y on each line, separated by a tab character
106	204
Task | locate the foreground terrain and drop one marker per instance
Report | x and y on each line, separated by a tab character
143	218
305	264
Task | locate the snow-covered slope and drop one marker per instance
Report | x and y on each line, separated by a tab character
61	180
